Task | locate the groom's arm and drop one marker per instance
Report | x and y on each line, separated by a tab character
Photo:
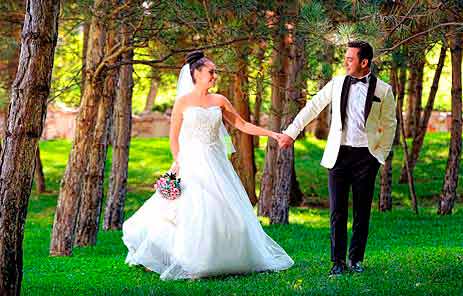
312	108
388	122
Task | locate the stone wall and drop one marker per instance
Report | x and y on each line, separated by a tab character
150	124
60	123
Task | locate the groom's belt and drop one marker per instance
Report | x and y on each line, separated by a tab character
352	148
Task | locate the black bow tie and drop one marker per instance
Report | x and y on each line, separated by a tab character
355	80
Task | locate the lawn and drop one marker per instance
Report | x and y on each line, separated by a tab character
406	254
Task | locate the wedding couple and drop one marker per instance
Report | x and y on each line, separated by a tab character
211	229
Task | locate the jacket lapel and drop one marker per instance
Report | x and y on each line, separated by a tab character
344	98
370	94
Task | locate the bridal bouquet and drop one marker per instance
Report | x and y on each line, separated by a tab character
168	186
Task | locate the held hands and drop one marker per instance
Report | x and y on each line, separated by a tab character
284	141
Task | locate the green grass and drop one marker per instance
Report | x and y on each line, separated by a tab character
406	254
429	172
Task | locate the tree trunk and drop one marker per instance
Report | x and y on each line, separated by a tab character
422	128
26	119
152	92
280	62
418	93
86	28
92	187
39	175
385	195
411	182
296	197
243	159
259	86
415	95
449	188
410	122
69	195
323	119
279	213
224	87
298	98
398	85
114	212
13	63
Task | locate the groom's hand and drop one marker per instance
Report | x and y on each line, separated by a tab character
285	141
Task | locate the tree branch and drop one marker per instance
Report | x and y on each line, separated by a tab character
173	52
386	50
401	22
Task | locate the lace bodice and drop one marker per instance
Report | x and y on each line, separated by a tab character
201	124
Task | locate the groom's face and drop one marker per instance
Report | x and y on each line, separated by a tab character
352	63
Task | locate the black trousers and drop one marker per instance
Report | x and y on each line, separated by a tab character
356	168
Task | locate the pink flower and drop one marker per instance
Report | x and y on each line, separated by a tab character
168	187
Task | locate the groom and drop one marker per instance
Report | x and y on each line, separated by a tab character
363	122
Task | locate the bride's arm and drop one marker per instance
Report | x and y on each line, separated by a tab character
176	119
233	118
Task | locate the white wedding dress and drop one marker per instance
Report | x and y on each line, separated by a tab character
211	229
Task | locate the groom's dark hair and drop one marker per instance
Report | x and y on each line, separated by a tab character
365	50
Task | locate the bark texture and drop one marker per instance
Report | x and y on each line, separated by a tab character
283	182
323	119
71	184
25	123
280	62
260	78
243	159
424	120
122	127
385	195
92	188
152	93
449	188
39	175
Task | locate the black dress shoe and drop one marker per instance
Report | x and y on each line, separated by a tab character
338	269
356	267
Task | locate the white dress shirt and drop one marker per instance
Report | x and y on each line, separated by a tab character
380	126
353	133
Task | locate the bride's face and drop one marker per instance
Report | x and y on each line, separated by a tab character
207	75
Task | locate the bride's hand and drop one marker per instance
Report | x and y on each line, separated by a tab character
276	136
174	168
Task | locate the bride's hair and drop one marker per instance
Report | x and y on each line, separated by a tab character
196	59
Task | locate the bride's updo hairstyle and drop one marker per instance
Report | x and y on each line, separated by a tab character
197	60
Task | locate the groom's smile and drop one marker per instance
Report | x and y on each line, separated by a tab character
355	67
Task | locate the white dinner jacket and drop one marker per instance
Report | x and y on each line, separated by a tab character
380	124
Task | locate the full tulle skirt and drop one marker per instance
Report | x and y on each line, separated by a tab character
211	229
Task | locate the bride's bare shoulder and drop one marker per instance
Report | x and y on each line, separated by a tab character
182	101
219	99
184	98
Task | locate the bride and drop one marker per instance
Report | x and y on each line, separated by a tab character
211	228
